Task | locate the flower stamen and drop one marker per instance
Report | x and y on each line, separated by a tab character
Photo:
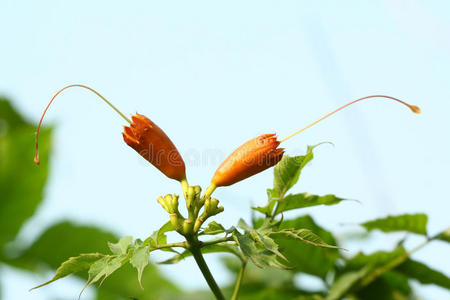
36	156
414	109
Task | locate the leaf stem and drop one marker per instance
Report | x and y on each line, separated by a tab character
396	262
170	245
217	241
238	284
197	254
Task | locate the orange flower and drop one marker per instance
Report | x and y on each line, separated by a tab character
154	145
262	152
252	157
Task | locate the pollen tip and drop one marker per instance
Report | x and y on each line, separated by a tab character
36	159
415	109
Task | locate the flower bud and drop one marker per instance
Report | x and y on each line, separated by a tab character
193	200
188	227
252	157
211	208
169	203
178	222
154	145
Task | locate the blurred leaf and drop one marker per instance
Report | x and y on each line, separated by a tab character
123	282
310	297
378	263
103	294
389	286
73	265
10	116
308	258
269	277
287	172
415	223
345	283
74	239
268	283
261	292
305	200
445	235
376	259
121	247
423	273
71	240
397	281
140	260
21	181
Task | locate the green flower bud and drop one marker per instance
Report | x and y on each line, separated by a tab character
177	221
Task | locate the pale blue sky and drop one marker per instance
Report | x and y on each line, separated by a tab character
215	74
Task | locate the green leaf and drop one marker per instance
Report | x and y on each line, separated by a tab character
73	265
287	172
389	286
415	223
303	235
444	236
260	237
123	283
260	257
305	200
345	283
71	239
159	237
10	116
213	229
378	263
21	181
139	260
121	247
97	270
103	268
376	259
268	209
423	273
307	258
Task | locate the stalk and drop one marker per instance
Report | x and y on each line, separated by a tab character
198	256
238	284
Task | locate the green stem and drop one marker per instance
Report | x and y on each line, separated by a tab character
211	188
184	186
396	262
195	250
170	245
237	286
273	212
217	241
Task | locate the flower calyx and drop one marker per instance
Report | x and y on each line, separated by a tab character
211	208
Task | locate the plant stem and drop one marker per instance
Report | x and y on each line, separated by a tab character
396	262
237	286
184	187
170	245
211	188
217	241
195	250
